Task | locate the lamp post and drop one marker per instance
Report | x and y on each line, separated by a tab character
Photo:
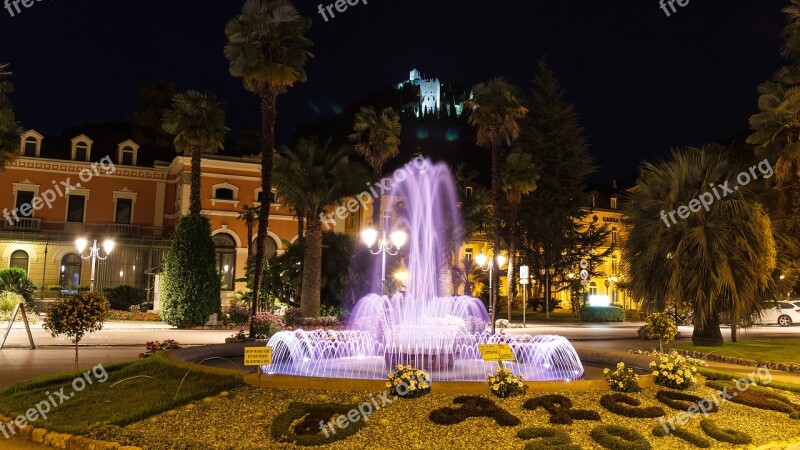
481	261
94	254
390	246
524	279
547	273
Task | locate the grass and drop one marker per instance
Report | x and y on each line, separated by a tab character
555	316
773	350
716	374
119	404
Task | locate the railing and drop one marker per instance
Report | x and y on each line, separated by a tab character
120	229
23	224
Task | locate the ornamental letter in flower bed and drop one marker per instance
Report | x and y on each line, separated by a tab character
473	407
560	409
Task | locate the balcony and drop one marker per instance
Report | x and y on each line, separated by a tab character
24	224
123	230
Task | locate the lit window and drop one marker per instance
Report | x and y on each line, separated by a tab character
226	259
468	191
613	202
468	254
592	288
71	270
614	236
19	260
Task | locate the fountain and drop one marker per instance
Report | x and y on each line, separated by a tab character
434	332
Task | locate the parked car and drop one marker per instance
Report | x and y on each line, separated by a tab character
784	314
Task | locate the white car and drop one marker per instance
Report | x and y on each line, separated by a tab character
784	314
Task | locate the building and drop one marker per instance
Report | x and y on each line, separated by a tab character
429	97
105	185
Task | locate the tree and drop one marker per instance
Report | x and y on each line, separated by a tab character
9	128
267	47
249	215
191	277
310	177
197	121
146	121
719	258
520	175
555	232
16	280
496	111
377	139
76	316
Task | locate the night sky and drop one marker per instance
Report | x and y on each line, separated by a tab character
642	82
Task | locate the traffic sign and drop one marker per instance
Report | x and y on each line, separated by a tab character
524	274
584	274
584	282
584	264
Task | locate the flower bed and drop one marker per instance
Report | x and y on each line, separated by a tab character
133	316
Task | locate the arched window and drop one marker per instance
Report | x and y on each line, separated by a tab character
592	288
71	270
126	156
270	247
226	259
30	146
81	151
19	260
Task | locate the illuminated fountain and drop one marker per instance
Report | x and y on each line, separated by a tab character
437	333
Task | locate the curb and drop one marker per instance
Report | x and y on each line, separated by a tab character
783	367
63	440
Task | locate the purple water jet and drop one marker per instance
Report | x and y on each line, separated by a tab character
426	326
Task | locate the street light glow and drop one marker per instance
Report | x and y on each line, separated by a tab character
81	244
369	236
108	246
501	261
398	238
480	260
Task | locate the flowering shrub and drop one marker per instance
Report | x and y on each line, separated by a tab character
133	316
624	379
266	324
76	316
155	347
329	321
661	326
505	384
238	314
240	336
673	370
407	382
475	325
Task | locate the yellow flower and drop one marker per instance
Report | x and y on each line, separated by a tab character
655	373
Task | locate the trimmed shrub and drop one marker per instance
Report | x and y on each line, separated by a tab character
551	439
682	434
473	407
623	379
408	382
293	317
627	406
238	314
560	409
289	428
133	316
76	316
728	435
191	279
616	437
123	297
681	401
602	314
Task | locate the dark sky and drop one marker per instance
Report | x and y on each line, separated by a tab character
642	82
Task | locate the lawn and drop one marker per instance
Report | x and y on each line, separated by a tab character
773	350
409	424
555	316
152	389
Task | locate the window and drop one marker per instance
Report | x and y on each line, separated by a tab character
76	208
260	196
223	194
19	260
30	147
613	202
24	198
468	254
126	157
614	236
124	211
226	259
81	151
468	192
270	247
592	288
614	265
71	270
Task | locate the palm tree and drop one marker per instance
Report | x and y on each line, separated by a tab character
9	128
520	175
310	177
718	260
197	120
496	110
377	139
268	48
249	215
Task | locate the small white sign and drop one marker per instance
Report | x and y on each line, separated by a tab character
584	264
524	274
584	282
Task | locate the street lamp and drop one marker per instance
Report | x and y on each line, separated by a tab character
391	246
94	254
481	261
547	273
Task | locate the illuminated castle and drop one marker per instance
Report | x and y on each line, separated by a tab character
431	97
